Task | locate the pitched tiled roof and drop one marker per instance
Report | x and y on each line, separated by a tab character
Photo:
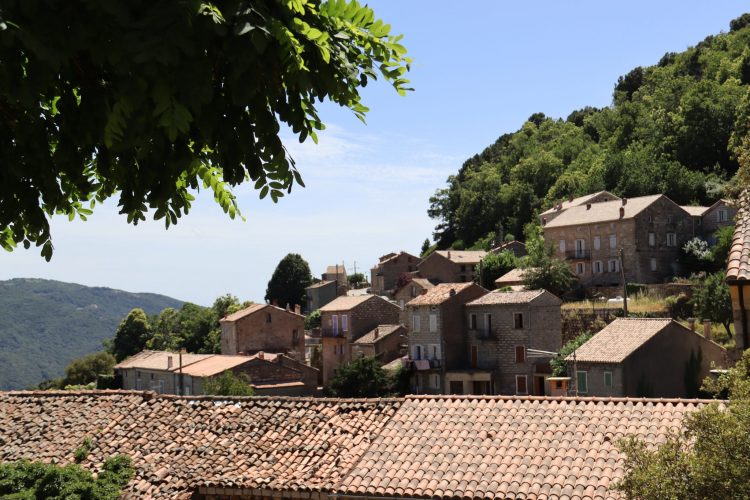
576	201
512	276
217	364
602	212
695	211
463	256
320	284
346	302
254	309
335	270
439	294
498	297
620	339
159	360
433	447
738	264
382	331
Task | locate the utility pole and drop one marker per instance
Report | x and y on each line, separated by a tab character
624	284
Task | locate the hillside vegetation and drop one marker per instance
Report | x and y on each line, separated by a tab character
672	128
45	324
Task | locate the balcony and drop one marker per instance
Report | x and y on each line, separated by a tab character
578	255
481	333
331	333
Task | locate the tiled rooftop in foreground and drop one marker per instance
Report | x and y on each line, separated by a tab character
419	446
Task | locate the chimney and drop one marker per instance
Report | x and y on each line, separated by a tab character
449	254
297	309
588	206
424	291
376	333
622	212
691	324
260	355
169	362
624	201
452	292
287	306
707	329
544	221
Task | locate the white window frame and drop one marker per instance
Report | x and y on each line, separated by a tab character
671	239
598	267
613	266
611	379
562	246
580	268
580	248
526	384
416	323
585	389
597	242
433	323
612	241
722	215
651	239
335	323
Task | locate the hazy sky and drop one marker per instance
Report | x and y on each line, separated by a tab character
480	69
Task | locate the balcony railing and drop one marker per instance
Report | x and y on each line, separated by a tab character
578	254
330	332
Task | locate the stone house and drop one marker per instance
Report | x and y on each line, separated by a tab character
450	266
161	372
336	272
264	327
385	342
385	274
707	220
501	327
639	357
437	334
650	230
345	320
414	288
321	293
561	206
738	275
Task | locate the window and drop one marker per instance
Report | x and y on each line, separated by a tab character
415	323
651	239
521	384
597	243
456	387
474	356
268	318
582	382
517	321
488	323
520	354
671	240
295	335
669	219
472	321
614	266
345	322
335	324
413	291
612	241
607	379
652	262
433	351
598	267
433	322
417	351
435	381
580	267
562	246
722	215
580	249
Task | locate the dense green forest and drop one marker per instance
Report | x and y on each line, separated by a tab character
45	324
672	128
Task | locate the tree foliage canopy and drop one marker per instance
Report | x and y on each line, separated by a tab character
228	384
149	101
493	266
362	378
712	300
674	128
289	280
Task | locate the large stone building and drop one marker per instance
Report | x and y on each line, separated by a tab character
648	230
321	293
437	334
450	266
441	448
707	220
264	327
502	326
738	275
336	272
386	273
345	320
412	289
638	357
185	374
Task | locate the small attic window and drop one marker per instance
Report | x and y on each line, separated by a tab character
268	317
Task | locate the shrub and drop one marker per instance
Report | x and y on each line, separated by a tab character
679	306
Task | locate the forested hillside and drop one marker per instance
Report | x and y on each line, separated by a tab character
672	128
45	324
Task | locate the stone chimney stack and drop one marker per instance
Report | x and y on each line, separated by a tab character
261	355
449	254
297	309
691	324
170	362
622	212
376	333
624	201
588	206
452	292
707	329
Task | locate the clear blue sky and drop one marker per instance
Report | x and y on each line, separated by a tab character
480	69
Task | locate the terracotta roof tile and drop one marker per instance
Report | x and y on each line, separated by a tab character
738	263
695	211
159	360
498	297
348	302
439	294
576	201
382	332
605	211
619	339
254	309
463	256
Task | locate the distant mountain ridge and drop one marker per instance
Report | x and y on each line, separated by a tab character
45	324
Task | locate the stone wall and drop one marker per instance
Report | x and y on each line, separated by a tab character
270	329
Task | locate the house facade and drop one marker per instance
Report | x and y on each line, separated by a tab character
563	205
501	327
321	293
707	220
450	266
264	327
384	342
412	289
385	274
738	275
337	273
637	357
643	236
345	320
437	334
